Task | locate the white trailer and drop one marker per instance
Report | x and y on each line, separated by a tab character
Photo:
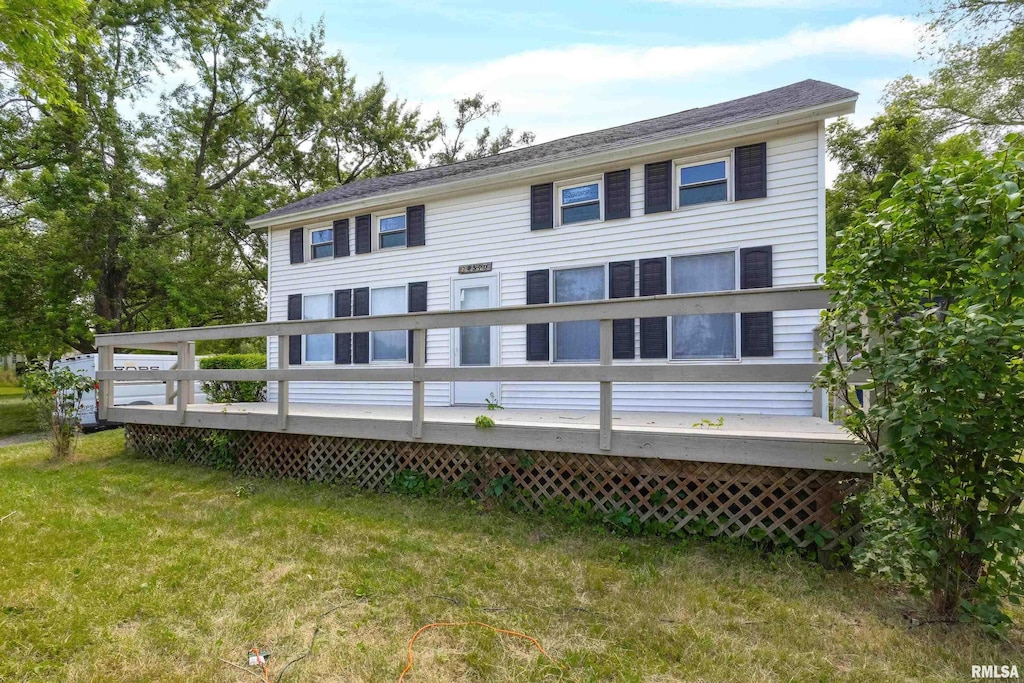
126	393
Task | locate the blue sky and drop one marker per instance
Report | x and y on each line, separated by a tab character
561	68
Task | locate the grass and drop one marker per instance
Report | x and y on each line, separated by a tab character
17	416
119	568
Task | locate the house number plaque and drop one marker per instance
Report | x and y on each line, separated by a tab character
471	268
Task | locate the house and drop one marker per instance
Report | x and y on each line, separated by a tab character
722	197
641	302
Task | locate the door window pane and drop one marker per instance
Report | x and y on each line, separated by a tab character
475	342
389	345
319	347
710	335
578	340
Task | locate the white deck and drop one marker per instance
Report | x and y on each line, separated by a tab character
787	441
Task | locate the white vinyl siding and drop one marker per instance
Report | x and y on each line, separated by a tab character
494	226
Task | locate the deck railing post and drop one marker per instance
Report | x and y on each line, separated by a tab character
605	438
819	397
282	385
105	363
419	356
184	348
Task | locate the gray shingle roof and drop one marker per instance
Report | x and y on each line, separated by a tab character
802	95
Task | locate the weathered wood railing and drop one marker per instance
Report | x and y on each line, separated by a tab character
802	297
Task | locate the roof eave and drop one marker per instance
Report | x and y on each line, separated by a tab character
808	115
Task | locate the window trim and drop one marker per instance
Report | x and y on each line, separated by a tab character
312	247
377	218
405	288
700	160
574	183
552	351
735	251
302	358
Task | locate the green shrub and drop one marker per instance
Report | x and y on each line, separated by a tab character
57	398
235	392
928	295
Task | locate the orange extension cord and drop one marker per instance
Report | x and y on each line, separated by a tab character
263	664
437	624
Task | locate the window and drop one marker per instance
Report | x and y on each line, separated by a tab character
388	345
703	183
322	242
319	348
709	335
392	232
580	203
578	340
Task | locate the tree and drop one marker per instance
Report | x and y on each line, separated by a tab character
872	158
929	302
470	110
979	82
127	222
33	37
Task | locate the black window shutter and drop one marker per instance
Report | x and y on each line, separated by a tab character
294	341
616	194
621	285
417	304
751	172
343	340
542	207
363	234
415	226
296	246
658	187
341	238
361	340
757	330
538	345
653	331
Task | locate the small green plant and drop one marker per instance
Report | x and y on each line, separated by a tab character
483	422
492	403
222	449
414	483
57	397
710	424
498	486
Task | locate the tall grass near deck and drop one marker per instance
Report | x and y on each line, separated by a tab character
123	569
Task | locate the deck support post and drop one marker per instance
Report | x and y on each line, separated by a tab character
106	388
282	385
606	388
419	356
185	387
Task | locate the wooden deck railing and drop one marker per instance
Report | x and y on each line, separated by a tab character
605	372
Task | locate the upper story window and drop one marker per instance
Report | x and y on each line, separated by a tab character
578	340
321	243
579	202
703	183
392	230
707	335
389	345
318	348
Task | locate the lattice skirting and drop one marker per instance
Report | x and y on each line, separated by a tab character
712	498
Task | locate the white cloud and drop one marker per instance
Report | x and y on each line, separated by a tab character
539	79
768	4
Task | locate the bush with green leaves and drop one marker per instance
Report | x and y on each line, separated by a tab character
929	304
58	399
235	392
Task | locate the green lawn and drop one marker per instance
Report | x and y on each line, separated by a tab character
117	568
16	414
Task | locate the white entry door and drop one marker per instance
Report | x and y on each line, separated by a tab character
474	346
